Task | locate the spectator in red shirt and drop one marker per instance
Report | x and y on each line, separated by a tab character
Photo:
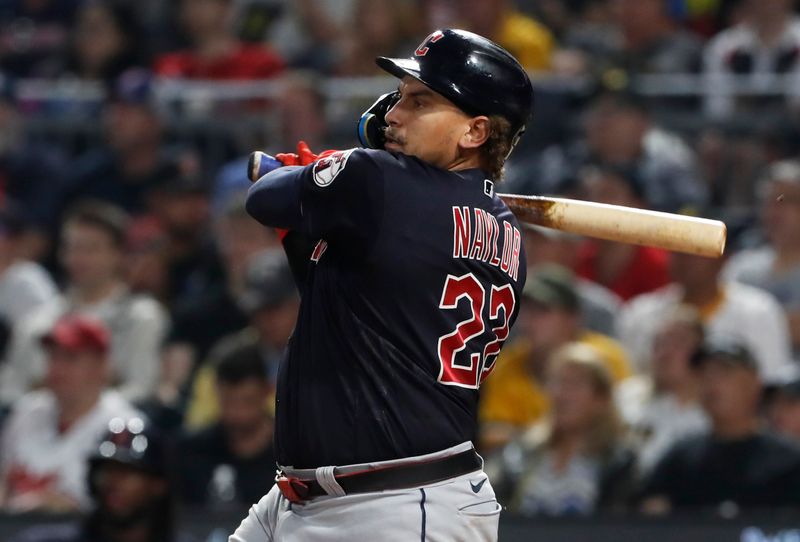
216	53
627	270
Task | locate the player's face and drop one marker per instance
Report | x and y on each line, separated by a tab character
426	125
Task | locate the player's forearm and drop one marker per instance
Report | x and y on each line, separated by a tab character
274	200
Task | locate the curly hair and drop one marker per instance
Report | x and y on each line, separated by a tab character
497	146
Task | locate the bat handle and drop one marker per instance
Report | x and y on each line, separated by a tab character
261	163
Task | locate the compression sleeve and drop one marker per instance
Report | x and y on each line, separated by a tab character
275	201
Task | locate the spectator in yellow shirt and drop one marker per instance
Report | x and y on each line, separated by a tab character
513	398
529	41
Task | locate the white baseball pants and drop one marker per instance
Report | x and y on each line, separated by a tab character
462	509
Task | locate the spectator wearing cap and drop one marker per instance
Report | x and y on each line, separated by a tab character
92	254
134	157
726	308
271	302
735	465
775	266
627	270
51	432
549	317
783	409
131	483
661	406
546	247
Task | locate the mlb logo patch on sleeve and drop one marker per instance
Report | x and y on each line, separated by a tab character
326	169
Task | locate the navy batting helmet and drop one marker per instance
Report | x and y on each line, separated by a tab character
471	71
133	443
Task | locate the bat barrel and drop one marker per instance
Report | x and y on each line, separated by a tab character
669	231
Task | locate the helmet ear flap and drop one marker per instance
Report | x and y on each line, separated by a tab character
372	124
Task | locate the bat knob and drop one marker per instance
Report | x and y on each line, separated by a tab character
261	163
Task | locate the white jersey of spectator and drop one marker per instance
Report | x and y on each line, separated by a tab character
23	287
655	421
137	324
747	313
755	267
766	62
34	453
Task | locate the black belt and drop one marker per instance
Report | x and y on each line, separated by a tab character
402	476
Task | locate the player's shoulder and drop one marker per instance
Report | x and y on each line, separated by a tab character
355	163
372	164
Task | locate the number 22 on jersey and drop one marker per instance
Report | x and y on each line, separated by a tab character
469	370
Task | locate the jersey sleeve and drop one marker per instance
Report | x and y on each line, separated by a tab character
338	198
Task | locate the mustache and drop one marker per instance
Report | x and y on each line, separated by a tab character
391	135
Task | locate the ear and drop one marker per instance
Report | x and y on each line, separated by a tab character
476	133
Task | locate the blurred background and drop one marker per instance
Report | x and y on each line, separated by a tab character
143	313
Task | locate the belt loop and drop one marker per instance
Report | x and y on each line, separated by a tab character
327	481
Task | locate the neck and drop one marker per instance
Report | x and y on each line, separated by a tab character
72	410
96	292
465	161
734	429
252	441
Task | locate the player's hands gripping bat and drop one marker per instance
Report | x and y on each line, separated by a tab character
261	163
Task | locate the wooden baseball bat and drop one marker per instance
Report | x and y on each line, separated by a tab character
612	222
669	231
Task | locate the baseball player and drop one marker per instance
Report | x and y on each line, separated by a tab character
408	298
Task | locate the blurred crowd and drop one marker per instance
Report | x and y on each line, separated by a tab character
134	286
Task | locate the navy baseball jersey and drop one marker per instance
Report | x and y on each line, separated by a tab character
409	297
